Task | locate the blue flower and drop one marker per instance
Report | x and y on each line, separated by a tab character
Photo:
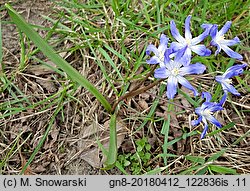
205	113
226	82
219	41
188	44
207	26
174	70
158	58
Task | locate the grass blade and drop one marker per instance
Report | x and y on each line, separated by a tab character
228	126
54	57
216	155
222	169
107	57
195	159
46	133
1	44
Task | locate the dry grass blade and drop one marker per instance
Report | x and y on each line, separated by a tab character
53	56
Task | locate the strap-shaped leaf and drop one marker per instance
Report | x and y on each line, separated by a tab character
54	57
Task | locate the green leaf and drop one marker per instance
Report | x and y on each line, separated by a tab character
228	126
139	148
189	99
216	156
127	163
202	171
195	159
222	169
191	169
105	54
112	153
1	50
147	156
120	167
54	57
155	171
116	53
147	147
166	125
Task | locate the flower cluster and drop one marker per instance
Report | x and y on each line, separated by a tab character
175	62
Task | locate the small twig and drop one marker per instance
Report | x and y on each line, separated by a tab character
134	93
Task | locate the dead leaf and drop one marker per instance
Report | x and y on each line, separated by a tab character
39	169
47	84
143	104
39	70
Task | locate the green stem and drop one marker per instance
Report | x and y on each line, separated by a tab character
165	131
112	154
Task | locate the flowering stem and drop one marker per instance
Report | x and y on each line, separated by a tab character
134	93
146	77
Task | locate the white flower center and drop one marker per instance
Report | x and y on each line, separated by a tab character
220	38
188	41
229	81
206	113
175	72
161	56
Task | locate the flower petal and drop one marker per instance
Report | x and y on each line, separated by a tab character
152	48
167	55
207	26
214	121
207	96
215	107
219	78
225	28
229	88
204	132
164	39
200	38
186	84
214	31
161	73
188	34
180	53
201	50
184	56
172	87
192	69
196	122
175	33
208	105
234	70
231	53
218	49
198	110
223	99
176	46
153	60
163	43
232	42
